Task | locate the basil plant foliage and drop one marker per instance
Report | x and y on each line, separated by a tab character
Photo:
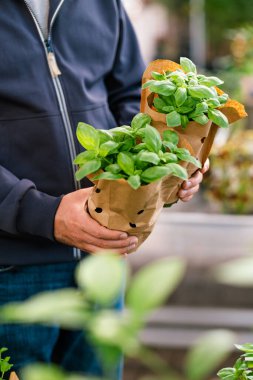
184	95
136	153
243	367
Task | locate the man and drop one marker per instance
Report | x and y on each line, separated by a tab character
73	61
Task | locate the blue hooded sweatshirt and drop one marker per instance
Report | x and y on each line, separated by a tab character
97	55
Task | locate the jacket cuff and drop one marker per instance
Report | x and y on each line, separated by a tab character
37	213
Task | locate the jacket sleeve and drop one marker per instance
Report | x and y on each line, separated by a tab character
124	81
24	209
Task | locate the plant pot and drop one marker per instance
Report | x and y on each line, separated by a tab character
116	205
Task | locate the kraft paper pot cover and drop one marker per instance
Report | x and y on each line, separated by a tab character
116	205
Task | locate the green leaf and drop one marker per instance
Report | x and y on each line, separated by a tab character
170	157
236	273
188	158
180	96
108	175
45	372
213	102
154	284
127	145
104	135
107	148
201	119
147	156
169	145
84	157
88	168
208	353
173	119
227	373
223	98
113	168
148	84
159	103
126	162
139	147
171	136
134	181
88	136
210	81
168	109
163	87
200	92
187	65
152	139
101	277
200	109
177	170
184	121
158	76
155	173
218	118
121	132
140	120
247	347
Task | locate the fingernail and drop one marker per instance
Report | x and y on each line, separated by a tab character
132	246
188	184
123	236
133	240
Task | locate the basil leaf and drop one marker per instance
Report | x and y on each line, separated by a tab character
152	139
134	181
200	92
107	148
84	157
184	110
126	162
168	109
223	98
88	136
170	157
173	119
124	130
140	120
171	136
163	88
159	103
218	118
104	136
193	82
158	76
184	121
201	119
169	145
88	168
178	171
187	65
148	84
127	145
139	147
200	108
108	175
213	103
153	174
188	158
210	81
180	96
113	168
150	157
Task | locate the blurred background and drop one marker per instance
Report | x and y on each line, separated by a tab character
216	227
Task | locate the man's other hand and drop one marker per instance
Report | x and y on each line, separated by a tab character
191	187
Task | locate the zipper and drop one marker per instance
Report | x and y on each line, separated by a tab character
55	73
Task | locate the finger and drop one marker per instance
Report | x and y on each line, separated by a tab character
206	166
95	249
110	244
95	229
195	180
183	194
187	198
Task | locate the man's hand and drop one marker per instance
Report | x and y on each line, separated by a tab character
74	226
190	187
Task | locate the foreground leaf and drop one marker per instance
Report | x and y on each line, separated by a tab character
154	284
208	353
237	272
88	136
88	168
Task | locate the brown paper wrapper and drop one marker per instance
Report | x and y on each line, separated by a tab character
13	376
197	138
116	205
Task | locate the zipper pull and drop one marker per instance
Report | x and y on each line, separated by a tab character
54	68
